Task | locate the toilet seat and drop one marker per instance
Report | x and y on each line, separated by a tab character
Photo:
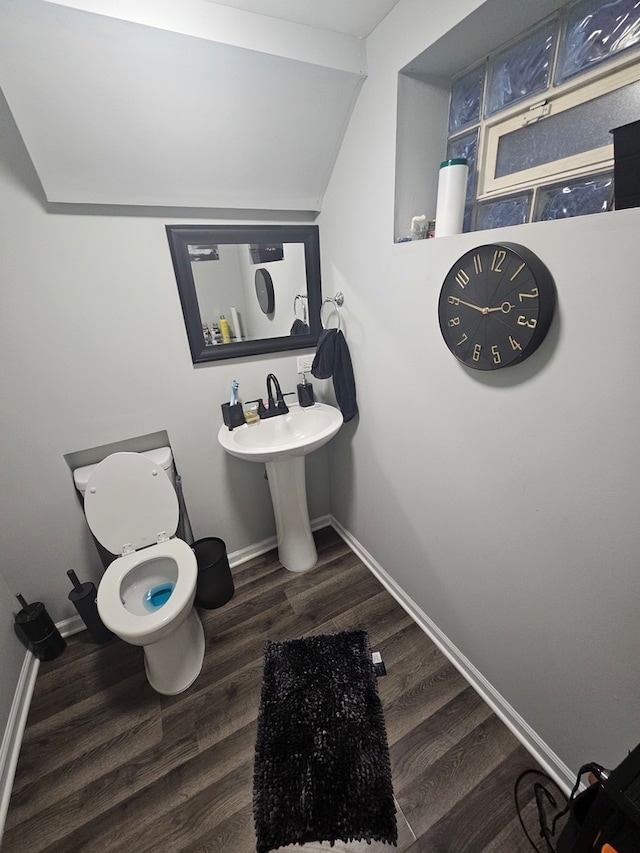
128	626
132	509
130	503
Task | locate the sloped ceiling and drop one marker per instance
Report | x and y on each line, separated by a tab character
355	17
192	105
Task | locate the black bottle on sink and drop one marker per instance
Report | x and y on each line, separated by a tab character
305	393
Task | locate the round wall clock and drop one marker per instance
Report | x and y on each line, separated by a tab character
496	305
264	291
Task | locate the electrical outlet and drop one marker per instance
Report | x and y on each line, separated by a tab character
304	363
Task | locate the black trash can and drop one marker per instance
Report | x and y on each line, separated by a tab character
215	583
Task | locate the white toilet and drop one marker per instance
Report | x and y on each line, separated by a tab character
146	595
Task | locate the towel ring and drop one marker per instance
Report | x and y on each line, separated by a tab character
337	301
300	297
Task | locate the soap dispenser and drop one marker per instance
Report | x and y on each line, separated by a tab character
305	392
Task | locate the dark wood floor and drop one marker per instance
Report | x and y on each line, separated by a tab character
107	764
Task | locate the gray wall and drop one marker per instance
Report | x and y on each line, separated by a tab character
93	350
13	654
505	505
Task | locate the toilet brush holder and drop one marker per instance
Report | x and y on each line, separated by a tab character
83	597
37	627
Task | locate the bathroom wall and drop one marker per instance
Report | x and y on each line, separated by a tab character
93	350
505	505
11	662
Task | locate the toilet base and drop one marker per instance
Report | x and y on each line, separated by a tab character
173	664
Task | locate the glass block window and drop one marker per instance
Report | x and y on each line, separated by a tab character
534	119
466	100
508	210
594	31
522	70
574	198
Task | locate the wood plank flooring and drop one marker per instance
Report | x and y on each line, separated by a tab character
107	764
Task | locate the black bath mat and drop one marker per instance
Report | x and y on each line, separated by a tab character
322	770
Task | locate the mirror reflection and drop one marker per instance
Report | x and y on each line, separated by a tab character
229	285
247	289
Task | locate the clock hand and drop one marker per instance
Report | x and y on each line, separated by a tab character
505	307
471	305
502	308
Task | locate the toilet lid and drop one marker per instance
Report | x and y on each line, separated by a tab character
130	501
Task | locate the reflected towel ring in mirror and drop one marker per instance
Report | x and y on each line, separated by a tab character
300	304
337	301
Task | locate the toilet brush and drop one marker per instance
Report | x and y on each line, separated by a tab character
83	598
37	627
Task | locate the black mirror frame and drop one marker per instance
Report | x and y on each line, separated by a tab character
181	236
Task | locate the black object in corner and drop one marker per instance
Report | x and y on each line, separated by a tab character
608	811
626	165
36	628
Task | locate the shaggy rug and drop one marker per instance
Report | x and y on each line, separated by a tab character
322	770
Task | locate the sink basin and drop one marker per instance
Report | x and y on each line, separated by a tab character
301	431
281	443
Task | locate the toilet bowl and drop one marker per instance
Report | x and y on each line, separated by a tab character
146	595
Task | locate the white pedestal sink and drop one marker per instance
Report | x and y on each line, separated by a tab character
281	443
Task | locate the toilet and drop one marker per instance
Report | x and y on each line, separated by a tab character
147	593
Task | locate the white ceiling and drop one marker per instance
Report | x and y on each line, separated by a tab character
185	103
353	17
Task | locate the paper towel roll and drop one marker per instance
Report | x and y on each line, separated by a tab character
452	190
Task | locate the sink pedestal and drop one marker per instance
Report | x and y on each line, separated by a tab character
281	444
296	547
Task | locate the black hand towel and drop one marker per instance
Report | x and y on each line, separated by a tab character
333	359
299	328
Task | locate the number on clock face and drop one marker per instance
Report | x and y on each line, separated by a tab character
496	306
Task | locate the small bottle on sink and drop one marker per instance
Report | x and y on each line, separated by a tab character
305	392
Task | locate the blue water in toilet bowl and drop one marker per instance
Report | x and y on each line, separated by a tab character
157	596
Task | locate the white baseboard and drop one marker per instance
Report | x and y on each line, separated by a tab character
534	744
14	731
322	521
72	625
245	554
539	750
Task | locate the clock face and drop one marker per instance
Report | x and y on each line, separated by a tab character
496	306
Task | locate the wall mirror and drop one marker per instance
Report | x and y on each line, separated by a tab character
247	289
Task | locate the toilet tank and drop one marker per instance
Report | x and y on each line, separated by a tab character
162	456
